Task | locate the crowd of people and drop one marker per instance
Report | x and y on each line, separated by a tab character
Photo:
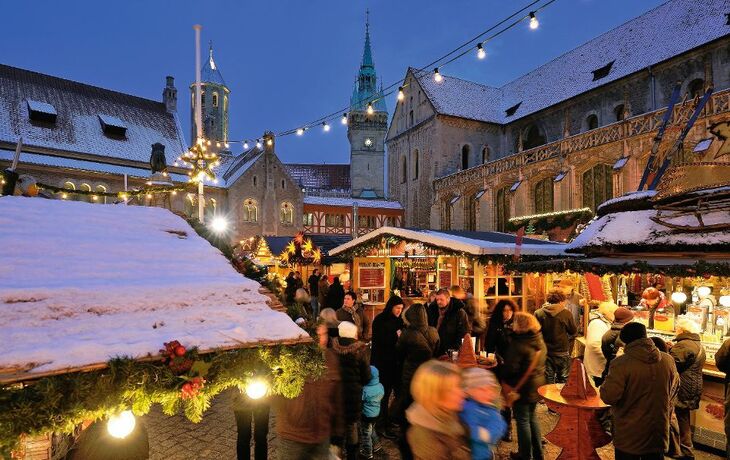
396	378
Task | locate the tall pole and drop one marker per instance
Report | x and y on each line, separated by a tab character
199	118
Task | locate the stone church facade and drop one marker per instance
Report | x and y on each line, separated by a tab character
456	148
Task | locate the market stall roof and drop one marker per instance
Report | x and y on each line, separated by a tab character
474	243
277	245
82	283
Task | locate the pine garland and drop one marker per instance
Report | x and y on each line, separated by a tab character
59	403
699	268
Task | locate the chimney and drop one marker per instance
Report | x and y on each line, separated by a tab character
169	95
269	142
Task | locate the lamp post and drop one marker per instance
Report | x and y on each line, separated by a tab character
199	117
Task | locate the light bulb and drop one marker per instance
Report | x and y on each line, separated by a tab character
704	291
325	126
245	145
64	196
257	389
679	297
300	131
149	195
219	224
724	300
258	144
207	143
218	144
121	425
344	119
269	142
481	54
534	23
437	76
371	110
94	197
401	94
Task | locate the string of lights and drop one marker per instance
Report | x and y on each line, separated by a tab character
527	12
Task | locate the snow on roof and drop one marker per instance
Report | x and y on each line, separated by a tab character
42	107
641	42
361	202
241	164
320	177
475	243
81	283
77	125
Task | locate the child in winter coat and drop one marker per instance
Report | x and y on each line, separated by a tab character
481	412
372	395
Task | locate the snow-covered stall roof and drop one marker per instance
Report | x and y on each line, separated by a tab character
349	202
475	243
81	283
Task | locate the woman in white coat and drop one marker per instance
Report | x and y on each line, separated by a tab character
599	324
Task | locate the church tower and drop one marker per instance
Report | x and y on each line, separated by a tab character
214	97
367	125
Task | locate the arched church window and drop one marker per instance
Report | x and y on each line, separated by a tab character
403	170
544	196
215	99
591	122
250	210
485	154
415	164
465	157
619	112
202	98
597	186
696	88
287	213
532	137
501	209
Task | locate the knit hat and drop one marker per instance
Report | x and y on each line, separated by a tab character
476	377
685	323
347	330
631	332
623	315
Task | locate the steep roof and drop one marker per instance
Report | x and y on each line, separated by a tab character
80	110
668	30
320	177
349	202
210	73
238	166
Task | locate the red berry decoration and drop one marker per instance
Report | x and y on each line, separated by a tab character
180	350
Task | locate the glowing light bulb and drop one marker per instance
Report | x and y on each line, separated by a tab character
724	300
258	144
121	425
679	297
227	145
300	131
173	193
325	126
437	75
534	23
704	291
149	195
257	389
269	142
219	224
207	143
344	119
371	110
64	196
401	94
94	197
245	145
481	54
218	144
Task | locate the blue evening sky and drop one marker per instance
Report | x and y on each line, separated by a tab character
287	62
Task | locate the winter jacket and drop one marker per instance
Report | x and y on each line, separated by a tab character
558	328
640	387
335	296
722	361
311	416
520	354
385	336
486	427
359	318
432	438
453	327
593	358
355	373
499	334
372	394
313	282
689	357
322	289
610	344
477	321
417	344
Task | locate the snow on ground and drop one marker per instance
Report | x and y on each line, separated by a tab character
81	283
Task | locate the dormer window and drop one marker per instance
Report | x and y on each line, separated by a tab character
112	126
511	111
41	111
602	72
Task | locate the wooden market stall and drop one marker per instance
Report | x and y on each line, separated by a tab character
414	263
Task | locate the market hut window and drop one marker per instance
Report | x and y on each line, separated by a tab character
500	284
250	211
597	186
501	209
287	213
544	196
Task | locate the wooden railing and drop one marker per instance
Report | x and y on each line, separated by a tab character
634	126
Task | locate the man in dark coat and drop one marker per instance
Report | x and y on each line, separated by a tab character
640	387
558	330
722	361
335	295
313	282
355	372
447	315
610	343
689	357
354	313
387	327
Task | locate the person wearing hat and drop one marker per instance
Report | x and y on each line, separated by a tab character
640	387
610	342
481	412
355	373
599	324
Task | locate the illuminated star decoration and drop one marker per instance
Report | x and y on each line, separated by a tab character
201	163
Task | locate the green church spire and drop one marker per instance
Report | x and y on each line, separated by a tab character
366	85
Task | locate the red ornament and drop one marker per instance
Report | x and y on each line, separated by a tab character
180	350
707	276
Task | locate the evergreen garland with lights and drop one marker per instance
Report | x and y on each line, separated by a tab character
547	221
699	268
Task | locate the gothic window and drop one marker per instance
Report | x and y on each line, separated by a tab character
619	112
470	223
308	219
415	164
544	196
597	186
287	213
255	179
410	118
532	137
446	221
501	209
465	157
696	88
202	98
485	154
215	99
591	122
101	189
86	188
250	210
404	170
283	184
